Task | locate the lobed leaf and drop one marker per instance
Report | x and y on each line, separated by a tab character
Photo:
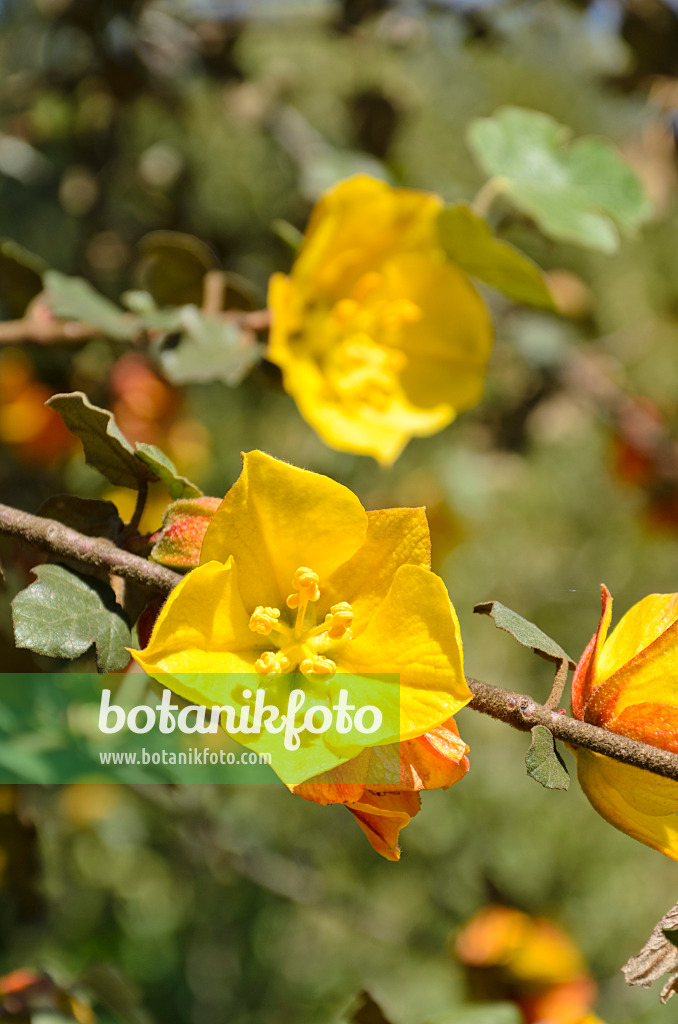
74	298
109	451
580	193
210	348
106	448
63	614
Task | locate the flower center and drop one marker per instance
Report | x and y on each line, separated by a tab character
301	644
365	358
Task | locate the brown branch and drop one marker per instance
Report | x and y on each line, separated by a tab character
46	332
43	331
89	552
516	709
523	713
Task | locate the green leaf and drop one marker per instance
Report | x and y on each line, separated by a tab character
467	240
63	614
287	233
211	348
368	1011
20	276
73	298
172	267
582	192
165	471
90	516
106	448
525	632
543	762
109	451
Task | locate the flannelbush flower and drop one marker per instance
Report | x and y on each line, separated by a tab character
300	586
628	683
379	337
530	961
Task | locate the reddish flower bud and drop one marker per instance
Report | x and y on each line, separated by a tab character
184	523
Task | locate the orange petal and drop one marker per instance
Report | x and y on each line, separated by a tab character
649	722
583	683
381	816
436	760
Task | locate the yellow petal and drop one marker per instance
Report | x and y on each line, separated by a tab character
639	661
413	350
395	537
354	426
203	628
449	346
637	630
203	649
277	518
415	634
642	805
354	227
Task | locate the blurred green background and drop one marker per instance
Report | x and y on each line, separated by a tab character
217	120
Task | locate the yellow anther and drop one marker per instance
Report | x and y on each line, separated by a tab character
339	620
318	666
345	310
366	284
271	664
305	581
399	312
263	620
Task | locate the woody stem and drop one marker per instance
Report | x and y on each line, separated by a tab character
515	709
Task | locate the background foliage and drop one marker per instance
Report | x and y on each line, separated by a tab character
120	120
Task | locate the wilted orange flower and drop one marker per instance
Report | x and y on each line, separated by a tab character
528	960
628	683
379	337
435	760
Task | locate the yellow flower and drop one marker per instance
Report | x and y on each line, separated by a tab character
628	683
299	586
530	961
378	336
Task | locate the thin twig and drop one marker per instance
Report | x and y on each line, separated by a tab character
131	528
46	332
556	693
486	195
516	709
89	552
213	291
30	329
